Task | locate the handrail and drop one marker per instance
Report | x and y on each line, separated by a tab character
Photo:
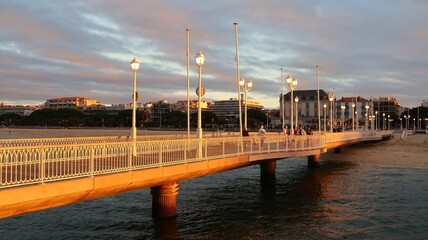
21	165
39	163
104	139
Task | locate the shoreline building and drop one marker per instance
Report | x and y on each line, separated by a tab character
307	106
360	110
387	105
193	104
18	109
228	110
390	106
70	102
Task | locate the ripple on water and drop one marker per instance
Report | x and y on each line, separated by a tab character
335	201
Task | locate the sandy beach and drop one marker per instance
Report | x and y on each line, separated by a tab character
412	151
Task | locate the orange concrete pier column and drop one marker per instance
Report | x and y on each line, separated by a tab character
314	160
267	171
338	150
164	200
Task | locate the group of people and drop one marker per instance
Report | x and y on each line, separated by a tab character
261	133
298	130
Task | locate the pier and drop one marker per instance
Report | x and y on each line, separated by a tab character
37	174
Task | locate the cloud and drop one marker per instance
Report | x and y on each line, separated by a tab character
54	48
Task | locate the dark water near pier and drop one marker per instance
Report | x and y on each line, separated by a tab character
339	200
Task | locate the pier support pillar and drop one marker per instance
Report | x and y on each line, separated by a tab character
164	200
267	172
313	160
338	150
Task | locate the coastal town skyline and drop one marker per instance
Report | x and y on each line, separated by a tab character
61	48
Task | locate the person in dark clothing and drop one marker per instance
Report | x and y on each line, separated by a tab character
245	132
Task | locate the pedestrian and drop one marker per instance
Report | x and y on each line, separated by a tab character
286	130
309	131
245	133
262	134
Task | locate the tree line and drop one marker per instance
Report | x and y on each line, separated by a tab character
73	118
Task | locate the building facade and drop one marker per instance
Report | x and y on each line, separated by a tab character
70	102
388	105
229	109
307	106
109	109
193	104
364	112
18	109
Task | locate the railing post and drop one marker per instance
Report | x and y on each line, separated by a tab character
295	143
42	165
160	154
278	139
223	147
185	150
286	142
91	161
206	148
130	156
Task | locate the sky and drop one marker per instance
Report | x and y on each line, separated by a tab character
59	48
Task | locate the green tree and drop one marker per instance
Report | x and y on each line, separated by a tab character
175	118
206	118
11	119
255	117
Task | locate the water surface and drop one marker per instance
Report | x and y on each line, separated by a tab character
338	200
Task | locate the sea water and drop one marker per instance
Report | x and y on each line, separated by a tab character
338	200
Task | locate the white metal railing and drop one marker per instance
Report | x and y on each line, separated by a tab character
38	163
106	139
23	165
343	136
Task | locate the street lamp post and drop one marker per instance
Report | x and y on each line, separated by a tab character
408	121
353	116
331	98
383	125
343	117
367	117
267	120
401	124
325	113
200	59
296	99
188	81
135	65
292	83
318	93
405	120
282	102
357	124
377	126
414	122
246	86
238	77
389	123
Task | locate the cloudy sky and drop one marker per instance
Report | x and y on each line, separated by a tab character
52	49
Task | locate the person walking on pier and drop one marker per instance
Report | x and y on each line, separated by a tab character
245	133
262	133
